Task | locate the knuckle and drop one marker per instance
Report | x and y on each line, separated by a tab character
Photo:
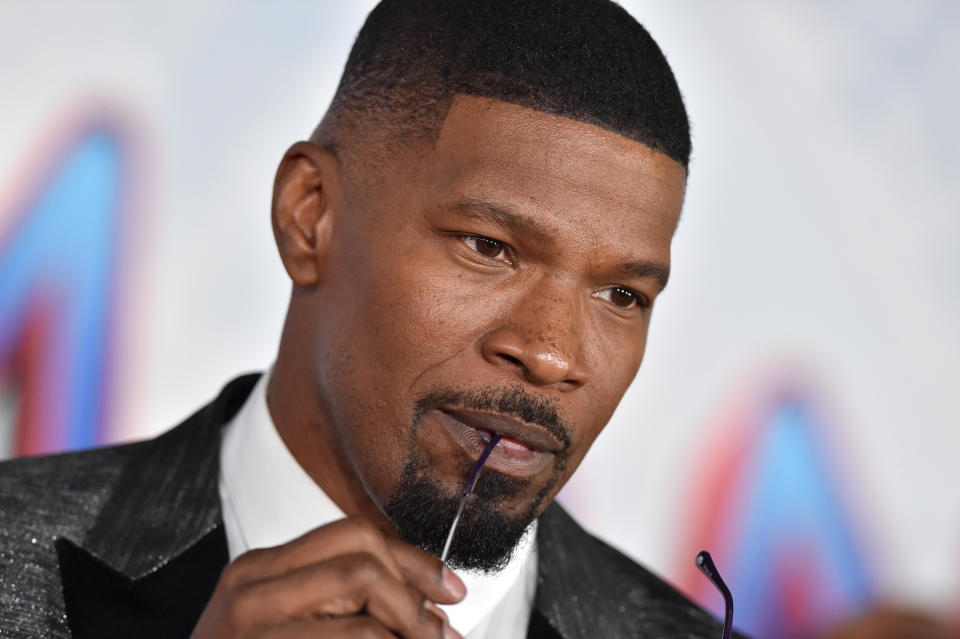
236	571
365	533
253	555
361	568
231	576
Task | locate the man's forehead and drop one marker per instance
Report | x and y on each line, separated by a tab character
503	134
489	149
478	117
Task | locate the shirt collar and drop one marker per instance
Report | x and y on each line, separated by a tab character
268	499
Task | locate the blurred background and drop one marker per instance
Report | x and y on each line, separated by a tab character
795	413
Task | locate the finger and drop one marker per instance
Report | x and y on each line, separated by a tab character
435	609
350	535
342	586
408	618
427	573
352	627
346	627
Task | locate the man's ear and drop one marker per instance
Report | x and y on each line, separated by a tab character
306	195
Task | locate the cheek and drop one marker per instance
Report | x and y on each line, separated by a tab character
420	307
395	316
613	370
418	320
396	335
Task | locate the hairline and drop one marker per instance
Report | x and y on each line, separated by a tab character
330	130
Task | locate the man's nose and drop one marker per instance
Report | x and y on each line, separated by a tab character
540	339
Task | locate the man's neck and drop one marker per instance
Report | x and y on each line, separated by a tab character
314	443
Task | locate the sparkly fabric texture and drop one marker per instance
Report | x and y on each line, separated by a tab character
137	507
41	500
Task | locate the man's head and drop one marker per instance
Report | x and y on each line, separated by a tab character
585	60
476	236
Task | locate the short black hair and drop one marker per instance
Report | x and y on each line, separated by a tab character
586	60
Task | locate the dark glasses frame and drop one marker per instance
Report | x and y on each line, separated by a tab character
708	568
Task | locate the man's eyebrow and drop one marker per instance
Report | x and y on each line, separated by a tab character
501	216
524	225
653	270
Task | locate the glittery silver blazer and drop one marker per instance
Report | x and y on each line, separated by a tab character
128	541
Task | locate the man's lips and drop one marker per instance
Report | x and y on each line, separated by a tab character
524	457
511	428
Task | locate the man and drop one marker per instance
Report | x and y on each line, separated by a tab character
475	234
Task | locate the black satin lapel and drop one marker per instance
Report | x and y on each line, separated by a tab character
102	603
540	628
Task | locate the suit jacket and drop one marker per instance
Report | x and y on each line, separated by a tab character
128	541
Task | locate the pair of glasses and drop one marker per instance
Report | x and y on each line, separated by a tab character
466	493
708	568
704	560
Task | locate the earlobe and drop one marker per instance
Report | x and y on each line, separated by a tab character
306	194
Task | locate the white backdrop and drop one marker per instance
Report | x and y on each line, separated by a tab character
821	231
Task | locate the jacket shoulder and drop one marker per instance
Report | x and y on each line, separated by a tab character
586	583
131	507
56	494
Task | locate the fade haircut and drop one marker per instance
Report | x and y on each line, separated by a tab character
585	60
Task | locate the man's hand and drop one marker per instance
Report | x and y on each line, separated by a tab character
346	579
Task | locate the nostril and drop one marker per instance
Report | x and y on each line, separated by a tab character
511	359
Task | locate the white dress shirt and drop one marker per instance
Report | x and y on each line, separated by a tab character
268	499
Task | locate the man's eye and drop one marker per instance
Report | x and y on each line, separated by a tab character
622	297
485	246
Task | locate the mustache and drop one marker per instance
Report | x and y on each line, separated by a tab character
513	401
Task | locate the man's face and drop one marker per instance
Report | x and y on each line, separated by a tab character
501	280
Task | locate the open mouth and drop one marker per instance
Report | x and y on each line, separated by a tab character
524	450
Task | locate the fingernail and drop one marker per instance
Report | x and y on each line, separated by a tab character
450	633
452	584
